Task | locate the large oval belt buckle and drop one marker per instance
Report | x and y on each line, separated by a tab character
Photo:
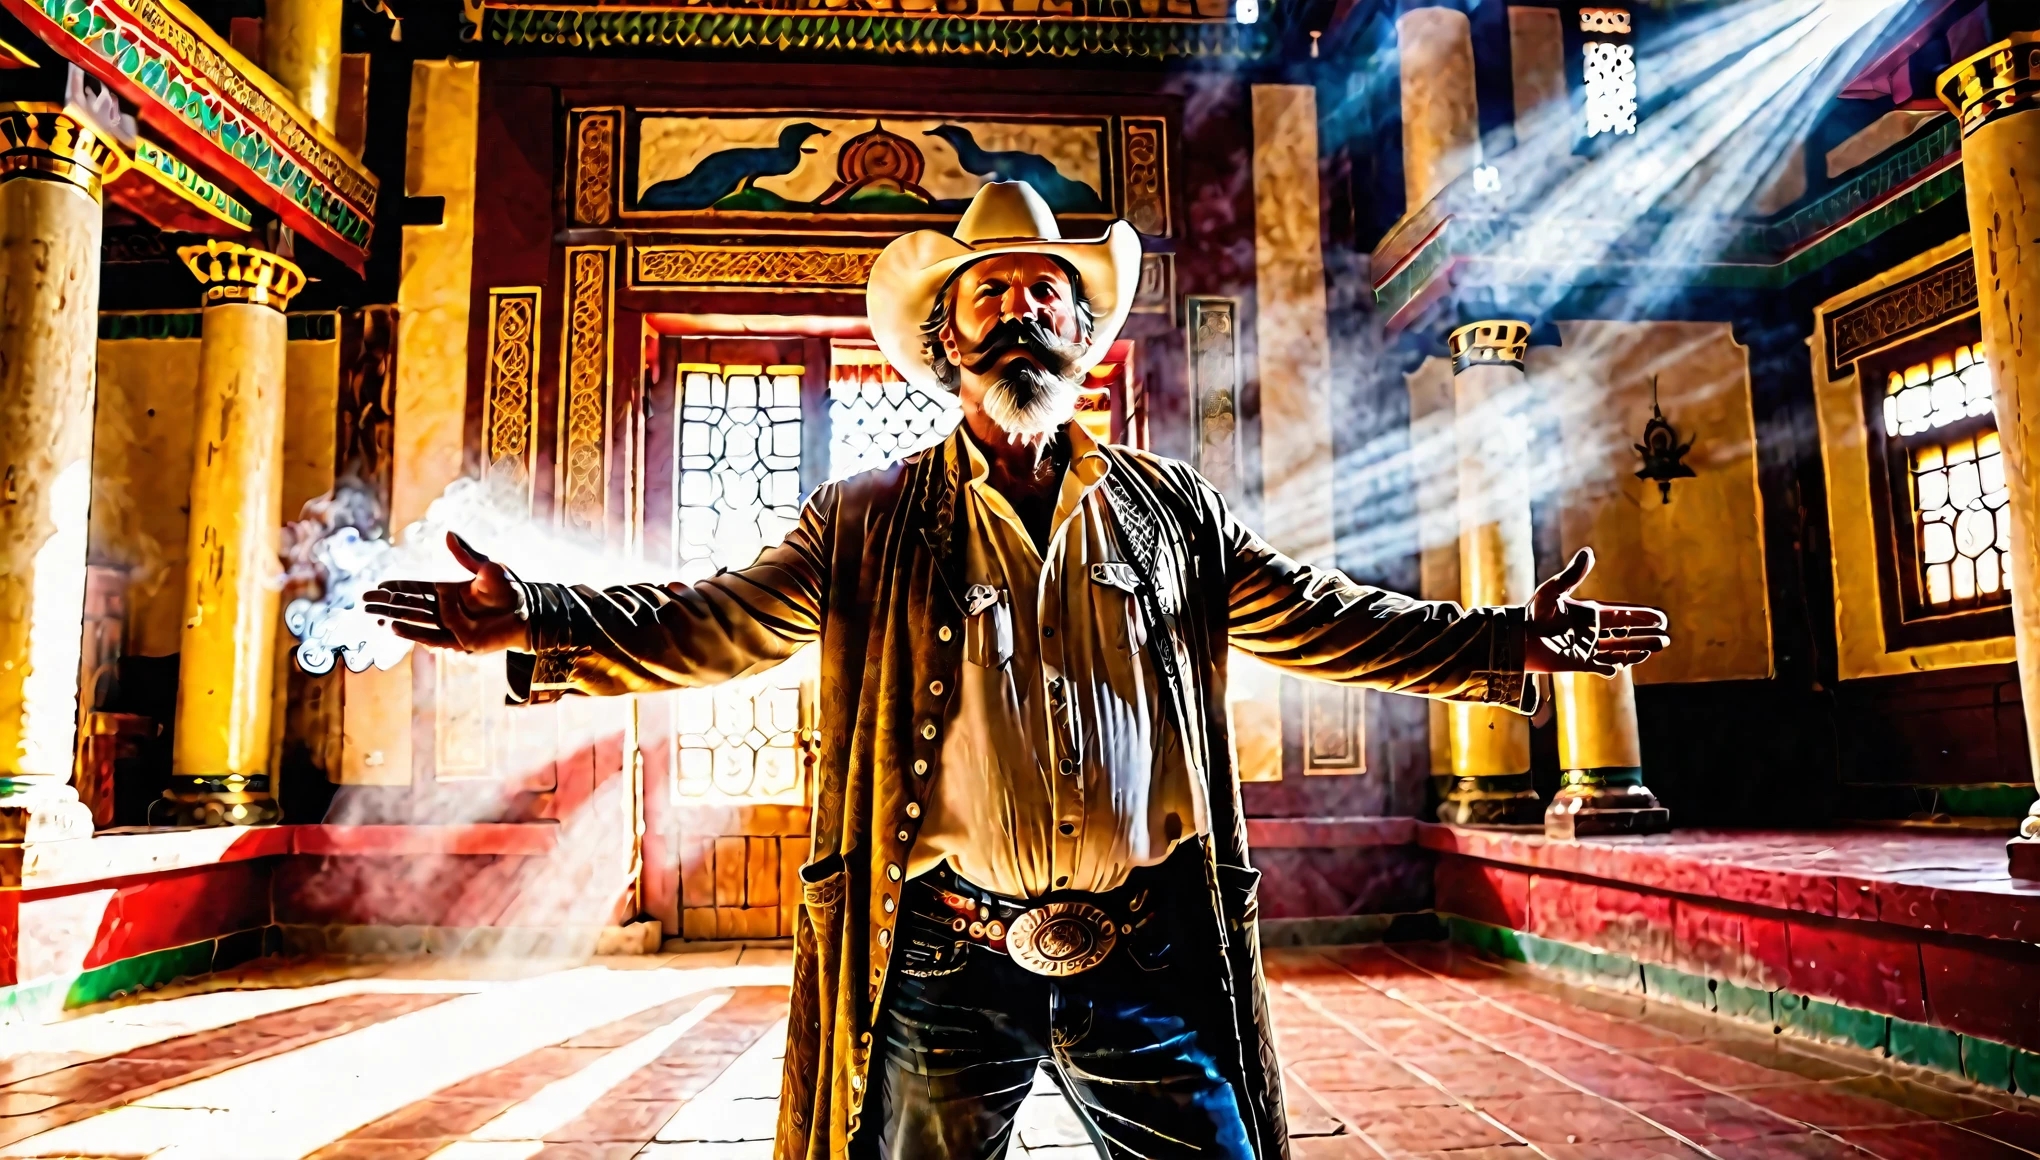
1061	938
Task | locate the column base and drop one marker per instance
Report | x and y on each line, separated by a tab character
229	800
2022	854
1596	802
41	809
1504	799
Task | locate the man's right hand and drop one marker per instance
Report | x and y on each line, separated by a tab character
473	616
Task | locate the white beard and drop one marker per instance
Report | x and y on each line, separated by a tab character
1028	402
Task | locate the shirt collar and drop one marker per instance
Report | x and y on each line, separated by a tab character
1087	456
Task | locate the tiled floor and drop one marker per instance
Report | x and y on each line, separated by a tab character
1413	1051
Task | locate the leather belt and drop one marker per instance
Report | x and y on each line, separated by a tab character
1058	935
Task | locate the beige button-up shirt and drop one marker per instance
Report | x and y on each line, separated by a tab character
1061	770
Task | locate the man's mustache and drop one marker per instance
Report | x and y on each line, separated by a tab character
1030	337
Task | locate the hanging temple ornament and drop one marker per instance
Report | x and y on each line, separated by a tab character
1664	457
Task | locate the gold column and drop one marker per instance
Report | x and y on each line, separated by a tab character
225	671
1490	783
1602	790
1997	95
301	49
51	167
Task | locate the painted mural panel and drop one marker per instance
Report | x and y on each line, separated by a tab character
858	172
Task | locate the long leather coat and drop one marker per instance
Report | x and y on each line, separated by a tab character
871	575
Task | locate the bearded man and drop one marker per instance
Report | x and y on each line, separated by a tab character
1028	846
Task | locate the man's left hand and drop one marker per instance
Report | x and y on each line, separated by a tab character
1586	636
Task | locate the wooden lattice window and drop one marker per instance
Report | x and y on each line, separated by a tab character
1938	486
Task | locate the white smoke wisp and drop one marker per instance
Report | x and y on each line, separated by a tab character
329	549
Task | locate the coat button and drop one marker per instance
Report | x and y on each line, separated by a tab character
935	688
889	904
943	633
919	767
914	808
892	871
1066	767
884	938
904	836
928	731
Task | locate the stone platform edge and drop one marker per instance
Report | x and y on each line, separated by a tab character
1980	1060
1996	908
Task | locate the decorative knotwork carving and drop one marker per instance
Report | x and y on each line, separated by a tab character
1914	306
1214	387
1997	82
510	402
37	137
753	268
1147	175
1496	343
595	168
233	272
584	389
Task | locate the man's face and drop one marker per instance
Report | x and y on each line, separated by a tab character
1014	338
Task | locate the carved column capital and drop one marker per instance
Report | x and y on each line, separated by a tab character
1999	81
45	140
232	272
1499	342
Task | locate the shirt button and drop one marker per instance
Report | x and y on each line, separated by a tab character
943	633
935	688
914	808
928	731
1048	632
1066	767
920	767
892	871
904	835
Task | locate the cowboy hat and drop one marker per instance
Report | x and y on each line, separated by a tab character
1006	217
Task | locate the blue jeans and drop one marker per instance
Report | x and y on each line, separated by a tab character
1129	1042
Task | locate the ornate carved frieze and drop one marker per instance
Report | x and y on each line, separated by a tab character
1146	185
1213	325
583	491
1912	307
1153	29
594	136
510	386
215	106
752	267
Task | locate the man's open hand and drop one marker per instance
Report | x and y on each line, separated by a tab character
1584	636
472	616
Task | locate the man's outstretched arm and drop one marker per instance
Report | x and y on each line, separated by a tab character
1318	623
633	638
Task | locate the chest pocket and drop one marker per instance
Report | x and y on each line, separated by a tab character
1114	586
987	627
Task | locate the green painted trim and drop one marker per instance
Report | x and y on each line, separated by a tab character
120	325
41	1000
1983	1061
1986	801
1924	1046
596	29
1830	1022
